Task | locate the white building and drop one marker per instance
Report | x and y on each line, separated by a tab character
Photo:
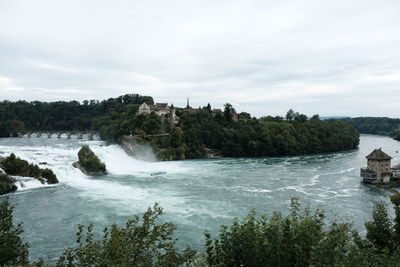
161	109
144	109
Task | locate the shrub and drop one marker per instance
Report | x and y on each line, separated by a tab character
15	166
13	250
142	242
49	175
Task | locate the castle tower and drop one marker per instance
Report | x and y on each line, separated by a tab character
379	167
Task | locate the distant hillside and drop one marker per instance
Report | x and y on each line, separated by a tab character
333	117
376	125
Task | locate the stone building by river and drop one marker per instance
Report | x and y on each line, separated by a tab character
379	169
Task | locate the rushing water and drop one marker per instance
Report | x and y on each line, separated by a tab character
196	194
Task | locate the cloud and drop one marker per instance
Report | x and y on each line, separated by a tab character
332	58
6	84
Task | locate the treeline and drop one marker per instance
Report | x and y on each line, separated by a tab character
197	132
234	135
302	238
62	115
376	125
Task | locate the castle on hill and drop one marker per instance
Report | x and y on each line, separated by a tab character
168	112
160	109
379	169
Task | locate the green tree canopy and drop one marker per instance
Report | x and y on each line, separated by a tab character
13	251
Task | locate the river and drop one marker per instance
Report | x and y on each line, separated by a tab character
195	194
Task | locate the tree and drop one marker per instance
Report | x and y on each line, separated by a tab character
208	107
300	117
290	115
13	250
244	115
228	112
380	229
142	242
4	130
395	199
315	117
299	239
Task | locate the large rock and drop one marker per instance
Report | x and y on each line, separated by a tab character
7	184
89	163
13	165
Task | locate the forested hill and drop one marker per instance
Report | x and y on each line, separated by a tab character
67	116
376	125
196	133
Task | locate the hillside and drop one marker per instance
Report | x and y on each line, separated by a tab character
192	134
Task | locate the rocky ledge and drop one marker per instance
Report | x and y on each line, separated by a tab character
13	165
89	163
7	184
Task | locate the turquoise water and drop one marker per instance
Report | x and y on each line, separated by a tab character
195	194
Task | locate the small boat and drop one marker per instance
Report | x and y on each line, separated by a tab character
157	173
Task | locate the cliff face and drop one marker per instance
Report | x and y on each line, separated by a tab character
89	163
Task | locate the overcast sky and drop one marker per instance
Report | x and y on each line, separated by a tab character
338	57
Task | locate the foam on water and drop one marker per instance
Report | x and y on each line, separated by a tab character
60	157
28	183
119	162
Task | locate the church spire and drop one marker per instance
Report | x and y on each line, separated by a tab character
187	103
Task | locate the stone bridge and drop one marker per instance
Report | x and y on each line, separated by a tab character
58	134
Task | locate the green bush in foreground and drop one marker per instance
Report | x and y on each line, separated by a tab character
13	251
142	242
301	238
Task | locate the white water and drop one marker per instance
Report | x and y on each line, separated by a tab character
109	189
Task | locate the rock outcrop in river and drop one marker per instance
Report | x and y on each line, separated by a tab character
7	184
13	165
89	163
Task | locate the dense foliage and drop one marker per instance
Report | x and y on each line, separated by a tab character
376	125
66	116
196	132
13	251
13	165
202	130
302	238
266	136
4	132
142	242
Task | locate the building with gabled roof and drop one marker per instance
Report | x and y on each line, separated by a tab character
378	169
378	154
161	109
